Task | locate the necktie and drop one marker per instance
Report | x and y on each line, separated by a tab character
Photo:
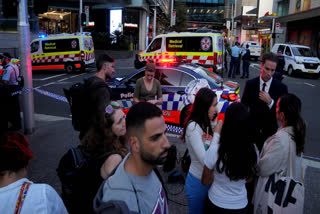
264	86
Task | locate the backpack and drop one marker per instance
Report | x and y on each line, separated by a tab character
80	179
247	55
78	96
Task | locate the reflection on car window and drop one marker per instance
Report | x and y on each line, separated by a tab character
155	45
34	46
287	51
302	52
137	76
186	78
170	77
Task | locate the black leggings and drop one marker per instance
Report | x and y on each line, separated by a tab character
210	208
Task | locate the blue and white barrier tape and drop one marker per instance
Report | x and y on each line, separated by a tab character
170	128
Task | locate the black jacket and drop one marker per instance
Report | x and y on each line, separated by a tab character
263	119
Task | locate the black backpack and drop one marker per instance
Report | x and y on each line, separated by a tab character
80	179
78	96
247	55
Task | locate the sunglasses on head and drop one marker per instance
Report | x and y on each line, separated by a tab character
111	107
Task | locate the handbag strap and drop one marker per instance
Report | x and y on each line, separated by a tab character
22	195
290	164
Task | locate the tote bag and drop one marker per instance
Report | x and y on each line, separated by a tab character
279	194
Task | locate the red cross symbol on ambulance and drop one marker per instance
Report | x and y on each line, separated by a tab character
205	43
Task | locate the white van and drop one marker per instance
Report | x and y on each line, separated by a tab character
62	51
298	58
254	47
206	49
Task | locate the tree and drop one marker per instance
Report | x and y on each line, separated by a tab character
181	17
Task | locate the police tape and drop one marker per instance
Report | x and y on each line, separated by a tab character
170	128
43	92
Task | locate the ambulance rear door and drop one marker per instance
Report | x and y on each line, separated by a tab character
87	48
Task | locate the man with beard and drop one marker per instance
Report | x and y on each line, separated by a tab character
135	187
99	97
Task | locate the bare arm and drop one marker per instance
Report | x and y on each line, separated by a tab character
109	164
207	176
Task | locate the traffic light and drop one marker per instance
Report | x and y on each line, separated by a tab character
83	19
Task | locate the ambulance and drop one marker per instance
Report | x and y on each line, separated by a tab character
69	52
205	49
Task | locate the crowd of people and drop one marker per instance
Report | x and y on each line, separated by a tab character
239	54
230	159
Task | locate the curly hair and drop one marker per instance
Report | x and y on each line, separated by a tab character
100	140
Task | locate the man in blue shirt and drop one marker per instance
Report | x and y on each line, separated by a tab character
235	52
11	103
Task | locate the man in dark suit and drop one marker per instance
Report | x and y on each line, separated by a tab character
260	95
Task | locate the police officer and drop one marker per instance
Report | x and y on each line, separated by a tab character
235	52
12	105
245	62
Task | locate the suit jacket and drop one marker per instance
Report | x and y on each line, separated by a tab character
263	119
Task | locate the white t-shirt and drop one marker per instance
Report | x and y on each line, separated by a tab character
223	192
40	199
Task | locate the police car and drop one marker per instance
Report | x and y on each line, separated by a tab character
298	59
174	79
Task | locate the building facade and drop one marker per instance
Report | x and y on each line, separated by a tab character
133	19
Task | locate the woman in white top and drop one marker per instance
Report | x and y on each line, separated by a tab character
229	163
17	193
198	123
275	152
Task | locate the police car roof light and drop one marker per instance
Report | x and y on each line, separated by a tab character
42	35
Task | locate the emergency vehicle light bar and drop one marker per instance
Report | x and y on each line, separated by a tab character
230	97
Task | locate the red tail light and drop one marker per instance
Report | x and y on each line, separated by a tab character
215	58
230	97
166	60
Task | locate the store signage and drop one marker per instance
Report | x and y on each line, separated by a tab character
130	25
264	32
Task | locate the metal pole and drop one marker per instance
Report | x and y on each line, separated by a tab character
154	22
80	12
25	65
272	32
171	13
232	20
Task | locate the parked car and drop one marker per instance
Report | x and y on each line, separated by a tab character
254	47
298	59
174	79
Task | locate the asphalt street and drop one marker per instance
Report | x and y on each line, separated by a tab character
54	133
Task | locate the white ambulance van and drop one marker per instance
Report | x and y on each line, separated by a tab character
68	52
254	47
206	49
298	59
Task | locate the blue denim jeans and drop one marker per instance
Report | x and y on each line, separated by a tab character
196	194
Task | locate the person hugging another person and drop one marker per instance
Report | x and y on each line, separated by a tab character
229	163
17	193
286	144
147	87
198	124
